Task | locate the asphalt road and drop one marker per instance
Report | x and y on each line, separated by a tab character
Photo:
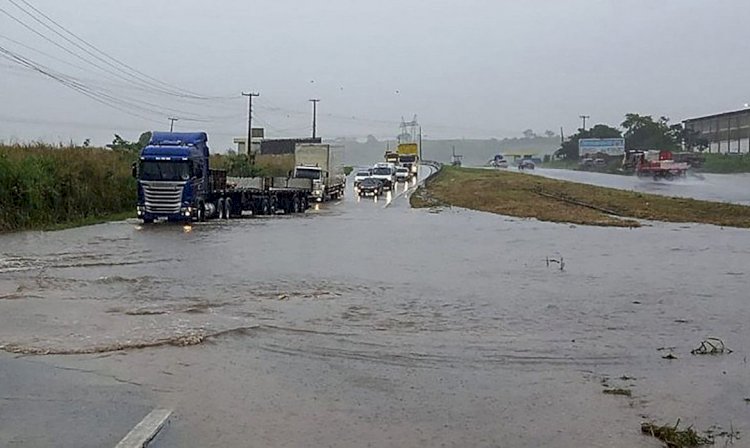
734	188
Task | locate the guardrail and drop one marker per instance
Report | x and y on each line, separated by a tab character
433	164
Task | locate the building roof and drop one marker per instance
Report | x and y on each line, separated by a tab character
745	110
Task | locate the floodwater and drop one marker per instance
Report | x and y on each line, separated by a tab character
734	188
368	323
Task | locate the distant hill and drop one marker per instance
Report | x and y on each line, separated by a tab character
475	152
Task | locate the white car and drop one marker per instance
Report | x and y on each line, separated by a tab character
385	174
402	174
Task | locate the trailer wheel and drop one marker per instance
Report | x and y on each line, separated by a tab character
228	208
265	208
201	212
220	208
148	220
296	205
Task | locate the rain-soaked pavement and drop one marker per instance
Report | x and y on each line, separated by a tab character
365	325
734	188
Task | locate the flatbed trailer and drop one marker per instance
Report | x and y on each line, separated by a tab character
175	183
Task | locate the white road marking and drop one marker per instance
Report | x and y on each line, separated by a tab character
146	430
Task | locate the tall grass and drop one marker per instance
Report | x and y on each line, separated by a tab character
726	163
43	186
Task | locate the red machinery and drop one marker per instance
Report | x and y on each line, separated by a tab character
656	164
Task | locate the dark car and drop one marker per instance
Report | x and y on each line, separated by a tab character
526	164
370	187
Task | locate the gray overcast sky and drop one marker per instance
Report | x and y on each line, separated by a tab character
468	68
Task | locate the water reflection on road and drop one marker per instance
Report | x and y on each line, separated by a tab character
393	326
733	188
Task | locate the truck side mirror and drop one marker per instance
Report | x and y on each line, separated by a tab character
134	170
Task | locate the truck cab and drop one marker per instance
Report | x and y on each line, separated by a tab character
172	176
317	175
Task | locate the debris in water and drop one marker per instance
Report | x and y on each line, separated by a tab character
145	312
194	338
711	346
560	262
673	437
618	391
669	356
283	296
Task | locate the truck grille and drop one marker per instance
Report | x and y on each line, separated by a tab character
162	197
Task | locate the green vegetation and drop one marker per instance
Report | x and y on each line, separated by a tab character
348	170
673	437
726	163
44	187
641	132
569	149
527	196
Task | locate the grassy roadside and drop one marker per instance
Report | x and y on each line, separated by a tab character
526	196
726	164
42	186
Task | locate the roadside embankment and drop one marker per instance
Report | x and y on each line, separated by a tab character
521	195
45	187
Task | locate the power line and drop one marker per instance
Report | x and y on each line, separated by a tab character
117	61
143	79
129	75
73	84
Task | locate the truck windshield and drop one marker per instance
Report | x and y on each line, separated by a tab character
407	159
307	173
382	171
164	170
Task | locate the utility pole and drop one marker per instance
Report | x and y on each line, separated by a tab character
584	117
250	96
420	143
171	123
315	102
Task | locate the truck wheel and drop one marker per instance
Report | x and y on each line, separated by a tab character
296	205
228	208
266	207
148	220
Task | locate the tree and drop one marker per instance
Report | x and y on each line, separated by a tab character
569	148
642	132
120	144
528	134
549	134
693	140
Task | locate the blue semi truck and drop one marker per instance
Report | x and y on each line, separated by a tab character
176	183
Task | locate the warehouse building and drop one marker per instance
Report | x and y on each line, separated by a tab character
727	132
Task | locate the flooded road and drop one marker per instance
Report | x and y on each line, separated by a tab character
734	188
368	323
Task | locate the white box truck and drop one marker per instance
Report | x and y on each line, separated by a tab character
320	162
